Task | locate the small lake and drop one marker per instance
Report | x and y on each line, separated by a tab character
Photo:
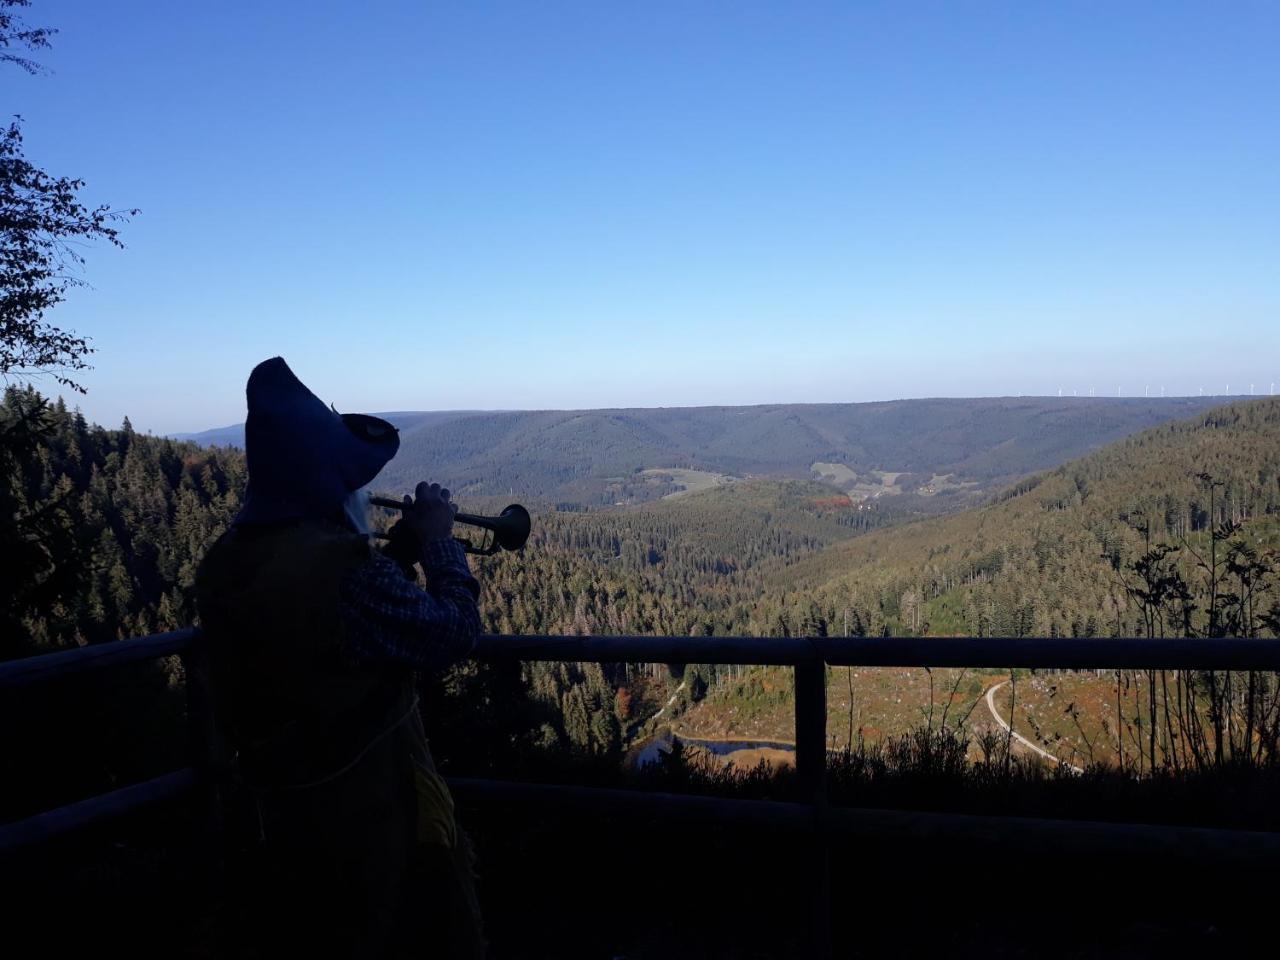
653	749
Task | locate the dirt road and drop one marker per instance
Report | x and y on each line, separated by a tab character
991	705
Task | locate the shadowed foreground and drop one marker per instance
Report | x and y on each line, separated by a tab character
560	881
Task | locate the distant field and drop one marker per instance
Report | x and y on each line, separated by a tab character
839	474
859	486
693	481
885	483
942	482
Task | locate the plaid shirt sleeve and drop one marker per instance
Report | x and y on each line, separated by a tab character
390	619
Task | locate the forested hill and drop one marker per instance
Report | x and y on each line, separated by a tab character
1056	554
102	529
594	457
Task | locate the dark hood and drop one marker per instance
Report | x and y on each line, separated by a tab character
304	457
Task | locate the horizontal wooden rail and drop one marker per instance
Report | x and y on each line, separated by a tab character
96	656
1129	653
94	660
1053	653
96	810
641	649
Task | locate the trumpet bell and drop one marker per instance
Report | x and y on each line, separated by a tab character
511	527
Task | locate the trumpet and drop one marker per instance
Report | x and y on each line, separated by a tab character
509	530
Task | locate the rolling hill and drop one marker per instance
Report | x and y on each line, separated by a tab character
1045	557
598	457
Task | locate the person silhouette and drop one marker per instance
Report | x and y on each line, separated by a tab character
314	637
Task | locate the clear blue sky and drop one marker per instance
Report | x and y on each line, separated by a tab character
482	205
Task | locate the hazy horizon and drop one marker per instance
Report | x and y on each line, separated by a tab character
406	411
86	406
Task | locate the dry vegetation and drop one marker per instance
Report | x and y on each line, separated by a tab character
884	702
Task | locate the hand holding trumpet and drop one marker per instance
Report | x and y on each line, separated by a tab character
430	516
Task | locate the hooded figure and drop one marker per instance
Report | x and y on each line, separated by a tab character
314	637
305	458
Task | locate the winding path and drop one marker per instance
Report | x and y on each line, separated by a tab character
668	703
636	725
991	705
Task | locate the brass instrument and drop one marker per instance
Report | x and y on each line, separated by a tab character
509	529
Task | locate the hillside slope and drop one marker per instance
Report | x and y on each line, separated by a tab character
1049	557
593	457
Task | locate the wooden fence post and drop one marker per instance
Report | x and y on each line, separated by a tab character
811	774
204	748
811	729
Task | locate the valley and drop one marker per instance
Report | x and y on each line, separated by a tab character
597	458
1051	555
685	551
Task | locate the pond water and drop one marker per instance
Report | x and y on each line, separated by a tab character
651	750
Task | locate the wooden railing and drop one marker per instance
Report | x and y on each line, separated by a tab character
99	658
808	656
